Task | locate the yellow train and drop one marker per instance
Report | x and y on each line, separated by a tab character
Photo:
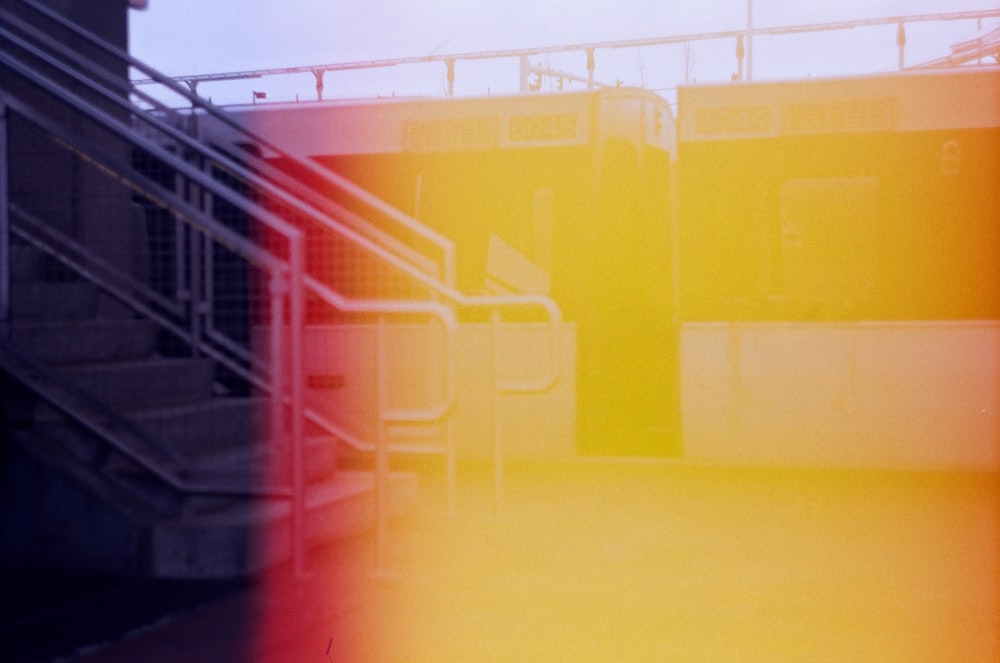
823	219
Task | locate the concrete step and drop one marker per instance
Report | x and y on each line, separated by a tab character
211	426
246	537
114	469
54	301
146	383
140	486
81	341
236	463
243	469
89	522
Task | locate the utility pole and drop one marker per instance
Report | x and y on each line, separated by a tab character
749	40
901	44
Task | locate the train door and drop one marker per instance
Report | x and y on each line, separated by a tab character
628	368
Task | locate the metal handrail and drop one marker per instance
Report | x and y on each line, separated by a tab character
277	268
79	260
264	177
326	176
80	407
287	274
490	302
246	248
258	182
227	236
63	249
445	288
216	230
230	238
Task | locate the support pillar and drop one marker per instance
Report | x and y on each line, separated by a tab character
590	68
5	266
319	73
901	44
450	62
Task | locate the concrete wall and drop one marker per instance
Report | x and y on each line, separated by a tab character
50	181
904	394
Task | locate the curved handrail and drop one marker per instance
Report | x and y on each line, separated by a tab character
400	307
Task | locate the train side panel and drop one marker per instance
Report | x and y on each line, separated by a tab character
840	270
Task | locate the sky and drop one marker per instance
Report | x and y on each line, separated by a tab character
193	37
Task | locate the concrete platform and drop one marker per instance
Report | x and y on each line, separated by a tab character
635	561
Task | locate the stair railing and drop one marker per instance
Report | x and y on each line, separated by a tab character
443	285
287	277
5	256
191	173
264	177
397	222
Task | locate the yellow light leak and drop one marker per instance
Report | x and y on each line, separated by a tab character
652	561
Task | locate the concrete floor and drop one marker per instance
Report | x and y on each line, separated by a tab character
636	561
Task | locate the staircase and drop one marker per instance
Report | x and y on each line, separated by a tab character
155	294
196	514
147	434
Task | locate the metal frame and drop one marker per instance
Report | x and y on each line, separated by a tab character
284	379
6	268
450	59
328	178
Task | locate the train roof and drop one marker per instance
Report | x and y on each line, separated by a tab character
395	124
913	100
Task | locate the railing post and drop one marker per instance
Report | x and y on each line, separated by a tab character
381	448
901	44
180	290
450	470
195	243
5	266
498	468
296	378
276	350
182	249
206	299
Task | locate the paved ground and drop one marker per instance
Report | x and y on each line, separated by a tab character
628	561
